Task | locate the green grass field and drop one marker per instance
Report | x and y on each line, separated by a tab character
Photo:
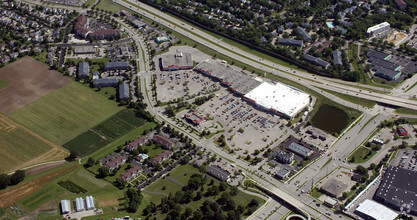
105	132
3	83
65	113
364	102
104	193
406	111
361	154
17	147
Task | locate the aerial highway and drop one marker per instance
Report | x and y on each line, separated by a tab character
301	77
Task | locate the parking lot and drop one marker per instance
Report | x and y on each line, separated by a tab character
246	127
183	83
406	159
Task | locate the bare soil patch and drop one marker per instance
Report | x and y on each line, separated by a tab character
10	197
45	167
28	80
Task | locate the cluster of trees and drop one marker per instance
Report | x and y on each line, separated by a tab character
134	199
222	208
9	180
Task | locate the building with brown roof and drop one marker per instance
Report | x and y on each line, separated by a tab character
115	162
131	173
133	145
163	141
160	158
83	30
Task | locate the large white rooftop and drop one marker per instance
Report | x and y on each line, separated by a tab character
376	210
378	26
279	97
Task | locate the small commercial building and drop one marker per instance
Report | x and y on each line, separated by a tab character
282	173
89	201
83	70
330	202
162	39
334	188
177	61
65	207
369	209
401	131
299	150
218	172
284	157
195	118
79	204
124	91
372	31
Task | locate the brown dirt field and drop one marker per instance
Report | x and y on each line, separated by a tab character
400	36
41	168
10	197
109	202
28	80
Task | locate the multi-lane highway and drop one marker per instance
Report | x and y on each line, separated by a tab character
303	78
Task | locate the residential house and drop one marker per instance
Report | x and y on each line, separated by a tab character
115	162
131	173
158	159
165	142
133	145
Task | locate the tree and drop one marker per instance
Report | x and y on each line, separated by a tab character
90	162
223	186
361	169
253	203
17	177
73	155
119	148
4	181
103	172
234	190
119	183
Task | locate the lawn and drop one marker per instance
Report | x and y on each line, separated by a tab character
315	193
104	133
108	5
361	154
105	194
3	83
167	186
65	113
406	111
364	102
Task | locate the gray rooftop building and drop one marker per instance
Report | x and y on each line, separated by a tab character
398	189
290	42
299	149
282	173
106	82
83	70
304	34
379	55
337	58
218	172
117	65
178	61
334	188
317	61
284	157
124	91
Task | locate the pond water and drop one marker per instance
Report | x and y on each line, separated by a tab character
330	119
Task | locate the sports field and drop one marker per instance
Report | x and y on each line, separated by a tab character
65	113
27	80
20	147
104	133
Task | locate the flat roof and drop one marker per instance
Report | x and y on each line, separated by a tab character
398	188
334	187
177	60
378	26
376	210
279	97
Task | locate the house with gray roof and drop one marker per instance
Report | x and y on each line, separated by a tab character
124	91
117	65
83	70
337	58
290	42
317	61
304	34
106	82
